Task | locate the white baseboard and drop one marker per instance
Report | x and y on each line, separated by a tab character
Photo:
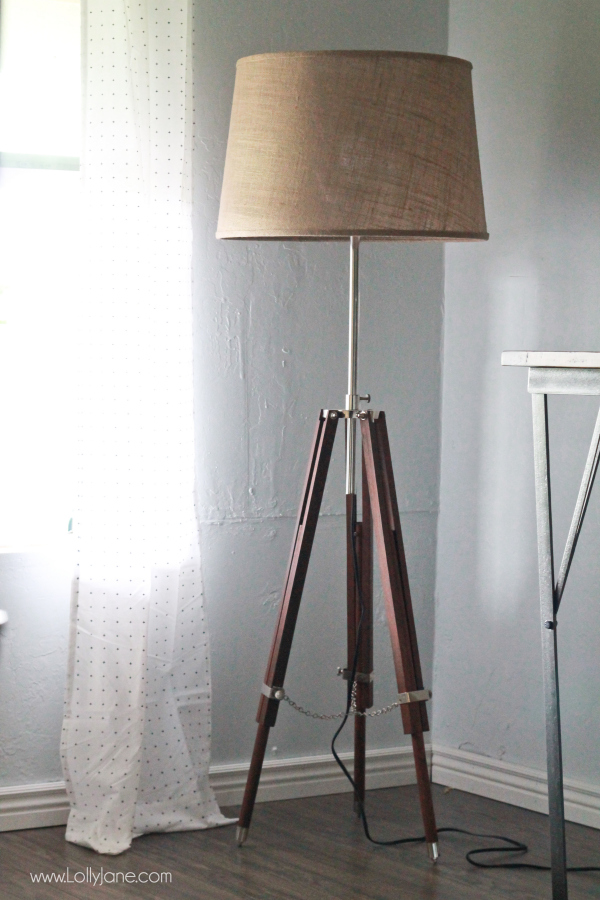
33	806
511	783
311	776
43	805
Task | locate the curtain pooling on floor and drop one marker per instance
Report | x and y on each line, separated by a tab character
136	732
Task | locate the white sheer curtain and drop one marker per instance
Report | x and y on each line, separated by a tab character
136	733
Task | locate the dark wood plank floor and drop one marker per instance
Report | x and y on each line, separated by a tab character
310	849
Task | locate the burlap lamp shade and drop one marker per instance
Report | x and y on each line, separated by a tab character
325	145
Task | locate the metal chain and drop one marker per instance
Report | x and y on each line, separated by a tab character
353	711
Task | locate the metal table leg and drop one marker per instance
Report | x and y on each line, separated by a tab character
571	373
548	608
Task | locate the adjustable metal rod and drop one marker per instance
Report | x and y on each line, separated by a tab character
587	482
352	395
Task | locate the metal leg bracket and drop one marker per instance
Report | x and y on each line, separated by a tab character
272	693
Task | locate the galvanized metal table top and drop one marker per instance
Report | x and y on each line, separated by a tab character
560	359
556	372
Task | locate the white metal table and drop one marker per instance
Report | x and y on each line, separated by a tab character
556	373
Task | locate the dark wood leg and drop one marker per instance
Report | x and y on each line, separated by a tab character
364	691
425	799
365	658
399	544
396	589
306	525
360	749
258	755
353	613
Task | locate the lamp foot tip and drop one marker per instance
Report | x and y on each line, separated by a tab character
432	850
241	835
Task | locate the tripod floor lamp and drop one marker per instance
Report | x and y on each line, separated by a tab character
354	146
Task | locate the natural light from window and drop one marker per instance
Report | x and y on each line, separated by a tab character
39	254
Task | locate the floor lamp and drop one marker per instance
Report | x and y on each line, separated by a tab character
352	145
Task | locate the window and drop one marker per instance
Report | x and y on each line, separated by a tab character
39	255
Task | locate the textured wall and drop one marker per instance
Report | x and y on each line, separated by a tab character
534	286
271	333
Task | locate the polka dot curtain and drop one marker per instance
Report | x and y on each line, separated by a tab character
136	733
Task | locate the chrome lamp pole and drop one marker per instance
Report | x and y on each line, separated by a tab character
352	397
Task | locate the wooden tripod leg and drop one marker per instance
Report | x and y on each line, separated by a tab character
258	755
364	668
394	576
306	525
360	753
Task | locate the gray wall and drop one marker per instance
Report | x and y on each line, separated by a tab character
271	351
533	286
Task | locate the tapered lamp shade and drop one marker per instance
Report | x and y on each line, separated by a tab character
324	145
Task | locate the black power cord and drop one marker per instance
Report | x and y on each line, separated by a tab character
513	846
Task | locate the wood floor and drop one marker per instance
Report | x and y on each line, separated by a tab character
310	849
